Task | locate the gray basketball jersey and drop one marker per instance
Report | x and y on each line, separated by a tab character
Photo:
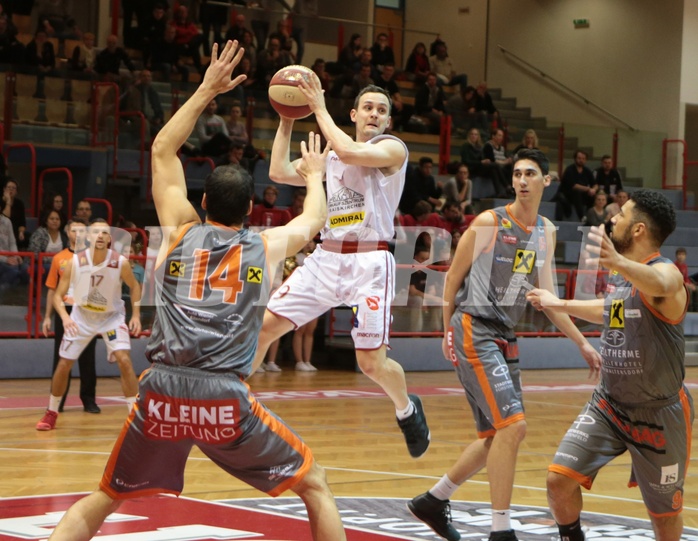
215	288
643	353
496	286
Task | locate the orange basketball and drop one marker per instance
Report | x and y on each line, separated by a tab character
285	96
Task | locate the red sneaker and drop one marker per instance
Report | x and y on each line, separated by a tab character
48	421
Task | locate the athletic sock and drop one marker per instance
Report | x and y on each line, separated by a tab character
501	520
444	488
404	414
571	532
130	402
54	402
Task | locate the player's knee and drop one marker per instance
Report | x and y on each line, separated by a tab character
515	432
314	481
559	486
370	362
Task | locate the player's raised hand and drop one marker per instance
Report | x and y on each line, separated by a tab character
312	90
313	158
219	72
601	249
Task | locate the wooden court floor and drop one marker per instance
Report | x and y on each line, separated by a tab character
348	423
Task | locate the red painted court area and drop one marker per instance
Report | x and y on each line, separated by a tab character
161	518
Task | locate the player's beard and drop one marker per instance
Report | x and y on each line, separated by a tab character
622	244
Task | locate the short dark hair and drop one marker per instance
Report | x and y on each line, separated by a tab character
229	190
425	159
580	151
536	156
373	89
605	157
656	211
681	251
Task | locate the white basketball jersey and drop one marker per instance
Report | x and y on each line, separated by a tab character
97	288
362	201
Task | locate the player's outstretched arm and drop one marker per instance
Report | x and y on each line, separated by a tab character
287	240
169	184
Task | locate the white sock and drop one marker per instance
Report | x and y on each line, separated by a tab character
404	414
501	520
130	402
444	489
54	402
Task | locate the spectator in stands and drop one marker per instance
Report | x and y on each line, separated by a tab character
153	30
399	112
49	237
681	264
361	80
597	215
13	208
440	63
271	60
54	201
500	164
459	189
319	68
236	156
420	185
529	141
429	104
12	51
83	211
350	54
267	214
621	198
297	201
471	152
188	37
41	54
236	31
164	58
577	189
55	17
366	59
212	132
84	55
283	34
484	102
142	97
381	52
245	67
237	130
12	272
419	297
212	16
109	60
417	67
133	36
608	178
453	219
462	108
422	214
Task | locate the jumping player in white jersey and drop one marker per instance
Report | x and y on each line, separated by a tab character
95	275
352	266
641	404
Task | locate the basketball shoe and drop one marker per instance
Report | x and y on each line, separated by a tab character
415	429
435	513
48	421
504	535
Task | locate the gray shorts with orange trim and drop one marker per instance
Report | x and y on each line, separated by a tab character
657	436
487	363
181	407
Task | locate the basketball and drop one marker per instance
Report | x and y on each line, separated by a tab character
285	96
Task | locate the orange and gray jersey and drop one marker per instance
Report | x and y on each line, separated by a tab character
496	286
96	289
214	291
643	352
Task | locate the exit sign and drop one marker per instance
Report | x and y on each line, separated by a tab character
581	23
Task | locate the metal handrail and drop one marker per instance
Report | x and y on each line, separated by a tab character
576	94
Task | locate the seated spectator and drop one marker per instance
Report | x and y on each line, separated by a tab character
319	68
236	156
484	103
142	97
441	64
83	211
529	141
84	55
471	151
12	51
40	53
366	59
283	34
350	54
271	60
237	129
212	132
577	189
188	38
246	88
597	215
109	60
12	271
236	31
153	30
422	215
621	199
400	112
54	201
500	165
361	80
267	214
164	56
459	190
462	107
681	264
49	237
381	52
250	49
453	219
13	208
429	104
417	67
297	201
55	18
420	185
608	178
